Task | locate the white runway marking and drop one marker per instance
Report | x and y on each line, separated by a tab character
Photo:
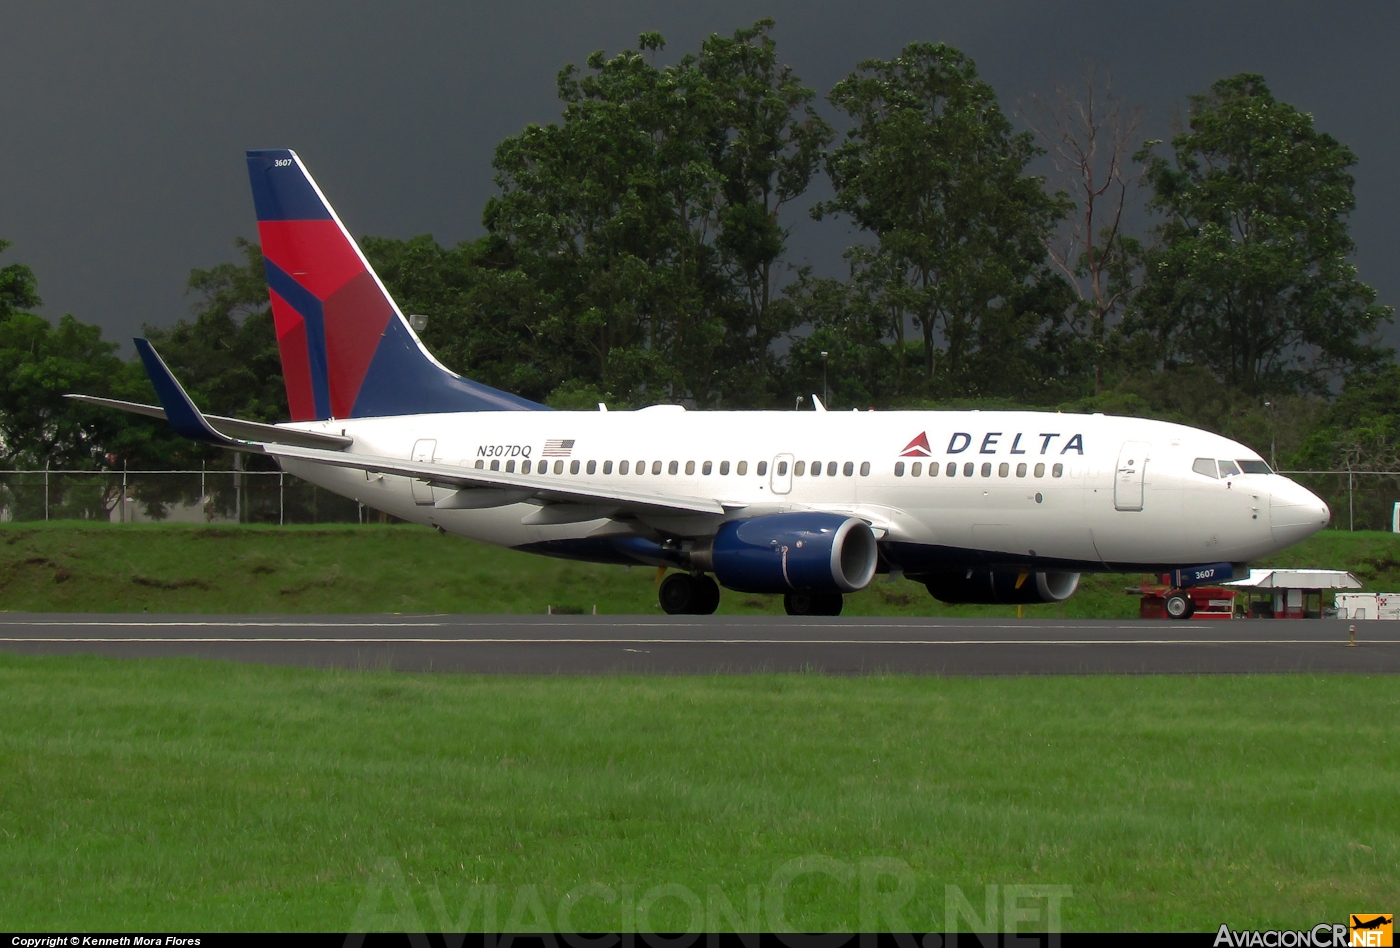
328	640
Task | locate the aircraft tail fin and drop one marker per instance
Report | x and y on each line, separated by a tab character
347	351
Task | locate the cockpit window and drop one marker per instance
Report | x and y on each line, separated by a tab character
1253	467
1228	469
1204	466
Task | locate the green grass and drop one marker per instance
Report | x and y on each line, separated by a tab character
68	566
179	794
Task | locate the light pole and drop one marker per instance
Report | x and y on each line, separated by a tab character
826	393
1273	460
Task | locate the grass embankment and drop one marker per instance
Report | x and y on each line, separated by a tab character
171	568
178	794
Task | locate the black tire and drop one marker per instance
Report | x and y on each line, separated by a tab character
677	594
813	603
706	599
1178	605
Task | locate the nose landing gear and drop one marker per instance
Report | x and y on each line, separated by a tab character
682	594
1178	605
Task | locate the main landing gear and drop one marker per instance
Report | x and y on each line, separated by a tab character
813	603
683	594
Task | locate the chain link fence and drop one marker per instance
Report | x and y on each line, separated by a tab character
1360	500
173	497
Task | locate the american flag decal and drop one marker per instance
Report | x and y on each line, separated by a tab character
558	447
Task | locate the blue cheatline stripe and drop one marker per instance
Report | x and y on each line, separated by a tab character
310	309
402	381
283	192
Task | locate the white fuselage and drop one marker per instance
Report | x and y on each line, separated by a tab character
1081	491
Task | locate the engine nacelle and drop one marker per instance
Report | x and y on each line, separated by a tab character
782	553
1007	587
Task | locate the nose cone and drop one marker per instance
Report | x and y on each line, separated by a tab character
1295	512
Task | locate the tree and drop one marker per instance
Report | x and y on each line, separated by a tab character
1089	134
647	219
41	363
1249	276
932	169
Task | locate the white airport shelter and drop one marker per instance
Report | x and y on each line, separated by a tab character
1290	589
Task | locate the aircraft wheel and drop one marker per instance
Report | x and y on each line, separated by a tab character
1179	606
706	599
813	603
678	594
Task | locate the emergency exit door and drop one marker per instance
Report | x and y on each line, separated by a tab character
1127	481
780	480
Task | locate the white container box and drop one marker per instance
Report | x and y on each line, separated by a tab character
1368	605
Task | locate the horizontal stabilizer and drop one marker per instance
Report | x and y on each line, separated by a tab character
233	427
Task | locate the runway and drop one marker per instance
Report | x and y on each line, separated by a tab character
720	644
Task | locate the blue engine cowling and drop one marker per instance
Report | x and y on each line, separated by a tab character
782	553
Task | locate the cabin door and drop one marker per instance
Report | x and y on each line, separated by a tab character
1127	481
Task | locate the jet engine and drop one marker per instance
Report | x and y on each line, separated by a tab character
1001	586
782	553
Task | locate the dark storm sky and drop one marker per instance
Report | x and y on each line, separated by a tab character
123	126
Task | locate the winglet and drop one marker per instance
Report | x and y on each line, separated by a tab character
184	418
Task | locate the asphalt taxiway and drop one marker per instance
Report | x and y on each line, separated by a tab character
721	644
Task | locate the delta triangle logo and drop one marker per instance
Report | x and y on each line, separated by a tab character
918	448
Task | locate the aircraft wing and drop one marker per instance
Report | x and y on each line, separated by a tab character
473	487
550	489
232	427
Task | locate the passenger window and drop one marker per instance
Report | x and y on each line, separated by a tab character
1205	466
916	469
898	468
510	467
558	467
816	469
762	468
723	468
741	468
782	468
1040	470
848	469
623	467
968	468
673	468
689	467
1004	469
986	468
799	469
952	469
864	468
525	467
706	468
607	467
1228	469
479	464
933	469
495	465
1057	471
1021	469
656	467
573	467
830	468
641	467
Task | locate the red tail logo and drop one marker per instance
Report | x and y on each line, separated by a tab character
918	448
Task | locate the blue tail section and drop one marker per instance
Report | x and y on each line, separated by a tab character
347	351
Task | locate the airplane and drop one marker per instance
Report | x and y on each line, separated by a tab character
980	506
